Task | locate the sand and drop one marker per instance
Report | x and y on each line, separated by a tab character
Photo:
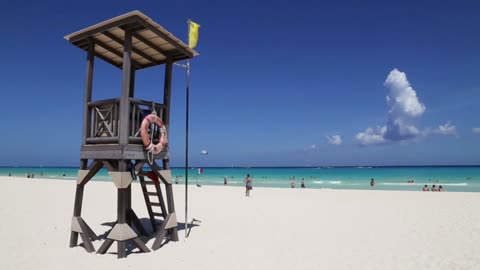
272	229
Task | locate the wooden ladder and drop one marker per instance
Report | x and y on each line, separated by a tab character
148	194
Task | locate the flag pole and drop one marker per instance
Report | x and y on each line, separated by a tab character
186	136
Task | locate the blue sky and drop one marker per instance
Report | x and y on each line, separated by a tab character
276	83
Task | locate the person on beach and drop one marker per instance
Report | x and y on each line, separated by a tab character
292	183
440	188
176	179
434	188
9	174
425	188
303	183
248	185
225	181
28	175
372	182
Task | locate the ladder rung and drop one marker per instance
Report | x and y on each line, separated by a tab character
154	204
151	193
147	182
157	214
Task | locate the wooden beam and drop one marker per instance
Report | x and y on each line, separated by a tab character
112	50
88	90
103	28
149	44
167	90
124	99
120	41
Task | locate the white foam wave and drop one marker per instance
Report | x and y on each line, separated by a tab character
428	184
329	182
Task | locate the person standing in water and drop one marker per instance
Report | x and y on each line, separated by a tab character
303	183
292	183
372	182
248	185
225	181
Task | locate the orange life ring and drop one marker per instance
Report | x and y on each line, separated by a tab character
147	121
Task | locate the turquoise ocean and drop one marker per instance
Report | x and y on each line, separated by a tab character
452	178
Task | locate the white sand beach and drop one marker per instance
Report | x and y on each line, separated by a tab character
272	229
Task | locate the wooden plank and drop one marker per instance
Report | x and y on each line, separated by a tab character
150	44
103	28
135	50
166	38
150	193
112	50
158	214
106	59
155	204
102	140
124	100
88	90
103	102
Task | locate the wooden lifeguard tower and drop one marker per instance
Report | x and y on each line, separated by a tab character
111	128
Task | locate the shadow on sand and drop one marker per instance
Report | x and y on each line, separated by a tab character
145	222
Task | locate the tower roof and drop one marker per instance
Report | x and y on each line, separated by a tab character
151	43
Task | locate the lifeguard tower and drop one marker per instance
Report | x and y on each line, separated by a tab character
111	128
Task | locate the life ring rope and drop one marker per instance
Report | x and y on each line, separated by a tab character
149	122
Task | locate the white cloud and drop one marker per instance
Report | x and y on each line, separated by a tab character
476	130
371	136
335	139
402	99
404	105
446	129
313	146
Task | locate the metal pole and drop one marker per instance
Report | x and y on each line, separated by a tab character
186	147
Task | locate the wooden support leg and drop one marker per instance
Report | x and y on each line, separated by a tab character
169	222
88	230
121	249
135	221
77	210
171	210
87	243
105	246
159	235
138	243
122	232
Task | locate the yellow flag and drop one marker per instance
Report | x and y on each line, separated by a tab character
193	34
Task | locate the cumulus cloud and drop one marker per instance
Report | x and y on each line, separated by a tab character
313	146
371	136
404	105
335	139
447	129
476	130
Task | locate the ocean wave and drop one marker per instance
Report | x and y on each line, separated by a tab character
327	182
422	184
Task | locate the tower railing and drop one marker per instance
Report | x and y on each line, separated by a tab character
104	120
